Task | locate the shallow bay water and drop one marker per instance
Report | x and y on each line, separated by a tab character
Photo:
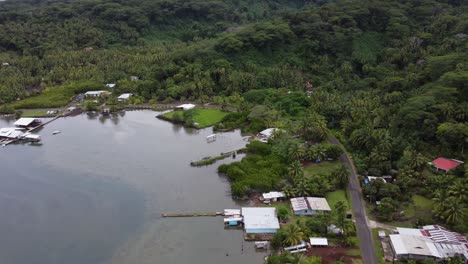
95	193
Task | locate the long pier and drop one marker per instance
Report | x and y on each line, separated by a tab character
194	214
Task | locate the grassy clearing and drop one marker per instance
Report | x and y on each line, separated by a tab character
325	167
35	113
337	196
201	117
420	208
353	252
57	96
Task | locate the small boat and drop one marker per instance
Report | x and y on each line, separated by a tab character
56	132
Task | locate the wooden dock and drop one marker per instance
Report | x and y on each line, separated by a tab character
195	214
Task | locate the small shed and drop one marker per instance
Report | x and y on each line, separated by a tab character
124	97
266	134
445	165
382	234
318	241
96	93
185	106
110	85
273	196
27	121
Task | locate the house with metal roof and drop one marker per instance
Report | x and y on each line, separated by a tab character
318	241
273	196
27	122
429	242
445	165
260	220
309	205
96	93
10	133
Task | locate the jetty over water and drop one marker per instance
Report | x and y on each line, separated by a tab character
194	214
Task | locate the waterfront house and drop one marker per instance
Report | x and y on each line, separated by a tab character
10	133
96	93
185	106
273	196
124	97
309	205
260	220
445	165
27	122
266	134
430	242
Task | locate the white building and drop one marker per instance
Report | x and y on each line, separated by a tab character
432	241
27	121
10	133
96	93
110	85
318	241
309	205
266	134
186	106
124	97
273	196
260	220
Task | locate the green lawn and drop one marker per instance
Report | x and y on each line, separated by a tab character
420	208
202	117
354	252
35	113
325	167
336	196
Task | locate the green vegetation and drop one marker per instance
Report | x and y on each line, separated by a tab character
378	246
337	196
326	167
209	160
35	113
199	117
388	76
55	96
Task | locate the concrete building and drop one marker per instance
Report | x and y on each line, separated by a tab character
260	220
309	205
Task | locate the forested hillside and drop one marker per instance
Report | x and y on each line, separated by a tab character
386	76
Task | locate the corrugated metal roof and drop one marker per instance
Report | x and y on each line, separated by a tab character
260	218
26	121
310	203
318	241
273	195
299	204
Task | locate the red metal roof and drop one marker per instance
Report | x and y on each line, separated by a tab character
445	164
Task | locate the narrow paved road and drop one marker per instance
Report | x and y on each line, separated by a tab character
366	242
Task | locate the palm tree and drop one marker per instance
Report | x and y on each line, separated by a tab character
341	176
295	170
459	190
454	211
440	202
294	234
417	161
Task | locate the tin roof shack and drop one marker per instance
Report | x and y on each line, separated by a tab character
185	106
318	241
10	133
96	93
430	242
260	220
445	165
309	205
273	196
266	134
27	122
124	97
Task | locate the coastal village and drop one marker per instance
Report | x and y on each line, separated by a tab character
277	212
